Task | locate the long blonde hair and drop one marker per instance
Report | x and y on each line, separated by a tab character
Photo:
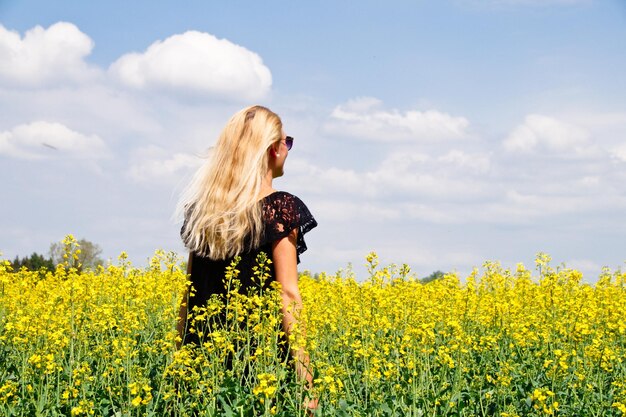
221	204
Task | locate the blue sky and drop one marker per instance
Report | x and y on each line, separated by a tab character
439	134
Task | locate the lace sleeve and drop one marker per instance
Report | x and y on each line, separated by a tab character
284	212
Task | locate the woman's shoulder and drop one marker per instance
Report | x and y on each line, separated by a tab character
278	198
283	211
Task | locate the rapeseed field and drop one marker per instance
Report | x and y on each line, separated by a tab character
497	343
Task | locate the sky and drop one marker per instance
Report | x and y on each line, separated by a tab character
440	134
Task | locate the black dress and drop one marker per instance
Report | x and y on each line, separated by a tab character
282	213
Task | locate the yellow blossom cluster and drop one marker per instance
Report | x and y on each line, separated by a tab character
74	342
497	343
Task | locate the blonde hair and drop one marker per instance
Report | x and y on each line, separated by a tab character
221	207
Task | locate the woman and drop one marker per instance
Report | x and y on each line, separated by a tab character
232	210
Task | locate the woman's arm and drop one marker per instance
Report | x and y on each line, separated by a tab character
182	312
286	268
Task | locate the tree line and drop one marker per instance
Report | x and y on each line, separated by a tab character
88	258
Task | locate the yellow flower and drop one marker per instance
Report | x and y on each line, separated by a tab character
267	385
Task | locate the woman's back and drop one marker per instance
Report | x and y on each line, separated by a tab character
282	213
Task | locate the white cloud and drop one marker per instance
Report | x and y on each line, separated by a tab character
546	133
526	207
452	176
591	181
607	130
365	118
455	176
342	211
156	165
473	162
45	56
196	63
431	213
600	120
327	180
41	139
619	152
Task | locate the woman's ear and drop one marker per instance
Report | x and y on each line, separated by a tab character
273	150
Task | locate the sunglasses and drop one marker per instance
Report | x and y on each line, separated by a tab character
289	142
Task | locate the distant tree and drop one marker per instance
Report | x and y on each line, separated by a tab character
88	258
432	277
34	262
